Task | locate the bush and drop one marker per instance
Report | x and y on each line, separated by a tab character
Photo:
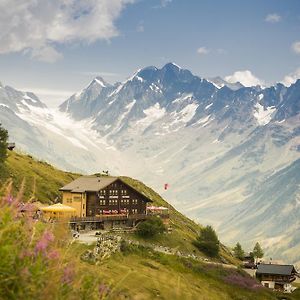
150	227
208	241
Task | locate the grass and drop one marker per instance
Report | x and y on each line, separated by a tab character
140	273
184	231
42	181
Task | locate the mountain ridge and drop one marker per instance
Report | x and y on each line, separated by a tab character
212	145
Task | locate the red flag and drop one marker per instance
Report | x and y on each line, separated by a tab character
166	186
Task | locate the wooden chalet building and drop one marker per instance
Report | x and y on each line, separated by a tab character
278	277
102	201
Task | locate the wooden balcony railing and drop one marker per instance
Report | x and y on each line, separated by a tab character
116	217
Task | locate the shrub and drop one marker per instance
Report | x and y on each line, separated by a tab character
150	227
208	241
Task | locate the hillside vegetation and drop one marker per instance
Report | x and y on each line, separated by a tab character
137	272
41	180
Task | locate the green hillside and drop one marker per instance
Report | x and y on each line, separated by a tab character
41	180
138	272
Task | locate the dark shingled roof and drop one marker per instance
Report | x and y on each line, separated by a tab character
275	269
88	184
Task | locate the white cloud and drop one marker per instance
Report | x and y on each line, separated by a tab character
202	51
273	18
45	53
246	78
296	47
291	78
37	26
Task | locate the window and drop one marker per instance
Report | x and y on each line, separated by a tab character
82	206
125	201
69	200
134	201
134	210
113	201
102	201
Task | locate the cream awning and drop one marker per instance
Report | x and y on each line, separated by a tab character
58	208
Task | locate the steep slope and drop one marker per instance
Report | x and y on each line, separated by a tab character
267	208
53	136
212	144
41	180
139	272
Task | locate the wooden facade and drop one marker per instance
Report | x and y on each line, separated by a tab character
102	202
117	198
278	277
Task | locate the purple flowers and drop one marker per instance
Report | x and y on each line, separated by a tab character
68	275
242	281
9	199
43	243
53	255
103	290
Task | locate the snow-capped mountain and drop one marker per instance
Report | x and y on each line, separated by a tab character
218	146
52	136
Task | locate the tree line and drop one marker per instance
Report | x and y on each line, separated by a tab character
256	253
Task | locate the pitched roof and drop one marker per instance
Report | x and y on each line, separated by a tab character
275	269
94	184
88	184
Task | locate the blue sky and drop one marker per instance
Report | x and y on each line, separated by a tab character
56	47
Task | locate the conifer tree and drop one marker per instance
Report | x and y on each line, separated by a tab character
238	251
258	251
208	241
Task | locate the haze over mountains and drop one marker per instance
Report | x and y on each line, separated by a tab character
231	154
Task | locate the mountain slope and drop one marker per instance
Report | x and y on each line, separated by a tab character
138	271
42	182
214	146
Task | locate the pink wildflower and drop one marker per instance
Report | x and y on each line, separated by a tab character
25	253
53	255
103	290
43	243
68	275
9	199
25	272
